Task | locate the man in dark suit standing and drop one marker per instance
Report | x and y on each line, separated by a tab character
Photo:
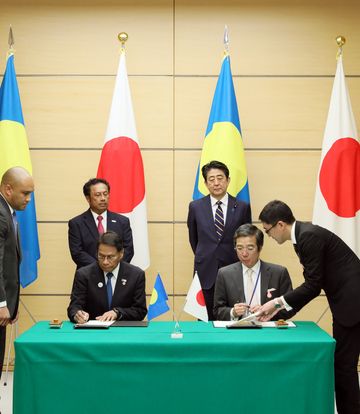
15	193
109	289
85	229
331	265
250	282
212	221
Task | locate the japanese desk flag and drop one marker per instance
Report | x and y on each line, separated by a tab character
195	302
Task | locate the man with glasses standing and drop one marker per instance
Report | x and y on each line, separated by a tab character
243	286
331	265
108	289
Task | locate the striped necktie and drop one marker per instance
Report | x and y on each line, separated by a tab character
219	220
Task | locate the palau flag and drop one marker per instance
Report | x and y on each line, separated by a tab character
223	141
158	302
14	151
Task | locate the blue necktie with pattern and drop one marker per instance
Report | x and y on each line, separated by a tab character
109	288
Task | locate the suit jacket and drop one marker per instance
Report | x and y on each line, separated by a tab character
331	265
229	288
10	257
89	292
211	253
83	236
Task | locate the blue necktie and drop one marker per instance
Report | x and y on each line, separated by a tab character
109	288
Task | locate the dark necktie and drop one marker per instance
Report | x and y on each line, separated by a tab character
15	223
109	288
219	220
100	226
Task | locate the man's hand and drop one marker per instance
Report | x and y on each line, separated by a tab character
15	319
239	309
81	316
267	311
4	316
107	316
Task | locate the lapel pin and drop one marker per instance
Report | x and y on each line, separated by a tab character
123	282
100	284
113	221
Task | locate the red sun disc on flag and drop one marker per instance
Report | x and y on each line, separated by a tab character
339	177
121	164
200	298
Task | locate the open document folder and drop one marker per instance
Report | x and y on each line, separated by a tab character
93	324
251	322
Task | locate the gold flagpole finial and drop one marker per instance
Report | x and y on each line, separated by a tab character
340	40
123	37
11	42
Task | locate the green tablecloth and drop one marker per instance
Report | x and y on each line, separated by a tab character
142	370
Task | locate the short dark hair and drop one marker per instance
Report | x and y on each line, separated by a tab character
249	229
214	164
110	238
275	211
94	181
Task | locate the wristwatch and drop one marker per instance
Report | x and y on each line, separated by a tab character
277	303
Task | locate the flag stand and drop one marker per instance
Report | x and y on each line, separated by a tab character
177	334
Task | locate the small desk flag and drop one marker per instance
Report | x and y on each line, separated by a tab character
195	302
158	302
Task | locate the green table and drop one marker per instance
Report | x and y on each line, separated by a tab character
142	370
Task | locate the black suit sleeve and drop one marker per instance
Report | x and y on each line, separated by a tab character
192	227
78	295
312	252
285	287
247	214
137	311
78	254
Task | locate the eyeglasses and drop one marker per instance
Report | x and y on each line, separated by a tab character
249	249
109	257
267	230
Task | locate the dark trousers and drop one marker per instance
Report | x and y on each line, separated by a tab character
2	346
346	377
209	300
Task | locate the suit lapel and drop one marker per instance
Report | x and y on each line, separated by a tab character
121	280
265	280
208	214
111	221
239	283
229	213
90	224
100	284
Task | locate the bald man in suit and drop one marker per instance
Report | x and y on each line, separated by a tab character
15	193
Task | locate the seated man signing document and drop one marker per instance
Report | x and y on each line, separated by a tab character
108	289
243	286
